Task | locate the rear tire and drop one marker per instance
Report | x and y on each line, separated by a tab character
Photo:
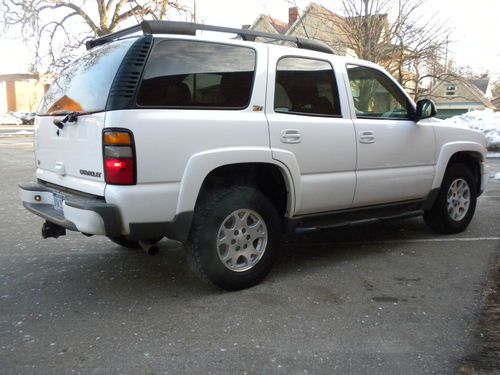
455	205
234	238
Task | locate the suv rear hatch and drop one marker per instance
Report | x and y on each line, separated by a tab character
70	155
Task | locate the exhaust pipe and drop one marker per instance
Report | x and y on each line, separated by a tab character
51	230
149	247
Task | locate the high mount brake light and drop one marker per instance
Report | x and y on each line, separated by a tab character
119	157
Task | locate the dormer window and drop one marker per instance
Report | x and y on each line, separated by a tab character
451	90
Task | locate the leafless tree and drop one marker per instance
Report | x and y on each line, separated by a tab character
56	29
404	36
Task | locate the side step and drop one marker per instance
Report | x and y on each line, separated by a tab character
355	217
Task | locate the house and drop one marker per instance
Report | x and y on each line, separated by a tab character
21	92
316	22
455	96
496	102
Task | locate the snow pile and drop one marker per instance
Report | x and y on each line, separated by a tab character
486	122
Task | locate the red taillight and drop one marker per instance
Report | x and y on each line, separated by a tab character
120	171
119	157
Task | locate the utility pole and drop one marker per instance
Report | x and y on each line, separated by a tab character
194	11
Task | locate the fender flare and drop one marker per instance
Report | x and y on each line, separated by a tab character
201	164
446	153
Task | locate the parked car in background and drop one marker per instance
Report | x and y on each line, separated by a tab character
7	119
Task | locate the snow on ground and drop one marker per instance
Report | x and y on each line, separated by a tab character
486	122
20	132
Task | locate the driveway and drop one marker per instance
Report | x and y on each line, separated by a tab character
387	298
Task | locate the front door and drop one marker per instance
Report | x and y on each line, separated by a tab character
396	155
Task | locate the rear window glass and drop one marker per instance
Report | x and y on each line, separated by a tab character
186	74
306	86
84	85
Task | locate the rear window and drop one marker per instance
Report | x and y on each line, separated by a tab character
189	74
306	86
84	85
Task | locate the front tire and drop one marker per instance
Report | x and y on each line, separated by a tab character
455	205
234	238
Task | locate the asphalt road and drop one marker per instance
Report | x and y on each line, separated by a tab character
388	298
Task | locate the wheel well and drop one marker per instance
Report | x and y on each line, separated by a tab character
472	161
267	178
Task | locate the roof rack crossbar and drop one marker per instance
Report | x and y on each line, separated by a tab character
189	28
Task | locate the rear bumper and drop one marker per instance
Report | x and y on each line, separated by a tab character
92	215
89	215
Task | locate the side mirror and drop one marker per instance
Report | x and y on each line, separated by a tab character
425	109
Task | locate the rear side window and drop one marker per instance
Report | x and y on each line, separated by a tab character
306	86
189	74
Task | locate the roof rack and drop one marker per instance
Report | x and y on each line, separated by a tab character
189	28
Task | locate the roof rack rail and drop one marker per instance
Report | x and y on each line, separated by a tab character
189	28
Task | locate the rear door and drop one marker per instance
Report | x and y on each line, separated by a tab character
71	156
310	127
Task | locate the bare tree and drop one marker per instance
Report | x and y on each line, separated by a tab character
401	35
56	29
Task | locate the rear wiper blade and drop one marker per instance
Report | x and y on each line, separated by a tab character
70	117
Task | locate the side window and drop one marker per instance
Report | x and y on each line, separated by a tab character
188	74
375	95
306	86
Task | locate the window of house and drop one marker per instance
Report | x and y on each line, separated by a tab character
375	95
189	74
306	86
451	90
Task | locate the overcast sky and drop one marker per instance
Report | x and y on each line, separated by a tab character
476	39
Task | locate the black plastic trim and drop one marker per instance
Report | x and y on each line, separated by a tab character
178	229
129	75
431	198
396	210
109	213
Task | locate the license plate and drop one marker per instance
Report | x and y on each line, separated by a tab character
58	201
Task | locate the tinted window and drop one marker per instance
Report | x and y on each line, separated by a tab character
305	86
375	95
182	73
84	85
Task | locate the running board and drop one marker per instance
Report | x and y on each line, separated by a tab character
355	217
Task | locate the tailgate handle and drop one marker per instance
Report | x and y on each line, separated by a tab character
60	169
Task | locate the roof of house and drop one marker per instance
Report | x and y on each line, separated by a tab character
481	84
320	23
271	24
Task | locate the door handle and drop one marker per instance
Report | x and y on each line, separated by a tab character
291	136
366	137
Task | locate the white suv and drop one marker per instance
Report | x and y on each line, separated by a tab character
225	145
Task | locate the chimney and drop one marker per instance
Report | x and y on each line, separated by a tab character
293	14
